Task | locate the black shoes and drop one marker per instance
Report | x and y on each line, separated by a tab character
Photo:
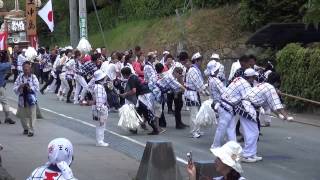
9	121
181	126
133	131
30	134
170	111
154	133
25	132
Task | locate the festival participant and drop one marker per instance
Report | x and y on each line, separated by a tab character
113	73
148	69
45	63
263	95
60	157
100	107
216	86
52	75
182	62
230	99
227	163
87	70
64	87
79	79
168	65
26	86
216	58
138	65
144	103
160	85
194	85
20	60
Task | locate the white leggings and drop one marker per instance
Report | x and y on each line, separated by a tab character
80	82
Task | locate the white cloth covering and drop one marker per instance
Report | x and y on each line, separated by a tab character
129	118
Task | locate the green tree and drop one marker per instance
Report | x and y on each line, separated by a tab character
312	15
257	13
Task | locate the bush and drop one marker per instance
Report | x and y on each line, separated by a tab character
299	69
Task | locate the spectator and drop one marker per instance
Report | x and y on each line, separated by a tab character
4	68
26	86
227	162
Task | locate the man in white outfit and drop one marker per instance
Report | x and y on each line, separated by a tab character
230	99
263	95
194	85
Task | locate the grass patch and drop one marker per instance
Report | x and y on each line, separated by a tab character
205	29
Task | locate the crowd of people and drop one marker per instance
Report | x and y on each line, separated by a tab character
148	81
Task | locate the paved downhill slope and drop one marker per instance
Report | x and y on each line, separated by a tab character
290	150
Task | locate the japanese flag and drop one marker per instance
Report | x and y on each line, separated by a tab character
47	15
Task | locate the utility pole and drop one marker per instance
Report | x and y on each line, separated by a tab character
83	19
74	29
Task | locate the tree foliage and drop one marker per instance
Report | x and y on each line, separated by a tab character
299	69
312	15
256	13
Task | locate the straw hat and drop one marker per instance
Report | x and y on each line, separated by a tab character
229	154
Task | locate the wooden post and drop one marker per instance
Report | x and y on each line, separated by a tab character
74	29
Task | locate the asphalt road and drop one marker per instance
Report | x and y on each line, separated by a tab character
290	150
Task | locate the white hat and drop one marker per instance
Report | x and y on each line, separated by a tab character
215	56
229	154
212	67
99	74
196	56
69	47
98	50
24	50
250	72
60	149
165	52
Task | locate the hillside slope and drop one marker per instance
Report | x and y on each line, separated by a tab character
205	29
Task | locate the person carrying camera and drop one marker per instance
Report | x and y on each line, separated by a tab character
26	86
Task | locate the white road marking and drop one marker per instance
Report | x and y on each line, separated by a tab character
14	111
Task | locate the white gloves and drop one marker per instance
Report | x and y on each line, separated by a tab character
289	118
65	170
262	111
281	116
216	106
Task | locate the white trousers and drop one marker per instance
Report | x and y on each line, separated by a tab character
80	82
226	125
101	126
64	83
266	117
251	135
194	128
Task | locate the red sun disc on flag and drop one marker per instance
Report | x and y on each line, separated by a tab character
50	16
